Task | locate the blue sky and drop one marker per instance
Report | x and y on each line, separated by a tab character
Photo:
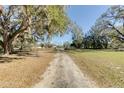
84	16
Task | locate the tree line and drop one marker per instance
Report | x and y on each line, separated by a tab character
107	32
24	26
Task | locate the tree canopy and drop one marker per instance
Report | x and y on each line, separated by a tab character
35	20
110	26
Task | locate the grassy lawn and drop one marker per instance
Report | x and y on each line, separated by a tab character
23	71
104	67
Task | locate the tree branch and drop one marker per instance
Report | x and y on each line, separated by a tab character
113	27
18	32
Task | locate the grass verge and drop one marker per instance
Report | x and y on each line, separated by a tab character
104	67
24	71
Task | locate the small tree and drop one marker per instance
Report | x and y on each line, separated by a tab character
77	37
66	45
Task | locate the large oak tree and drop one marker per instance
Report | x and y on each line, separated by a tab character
36	20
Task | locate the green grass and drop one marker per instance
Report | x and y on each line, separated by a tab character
103	66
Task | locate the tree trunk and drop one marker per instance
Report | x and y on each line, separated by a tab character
8	49
7	44
5	47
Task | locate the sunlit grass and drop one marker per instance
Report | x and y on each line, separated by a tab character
105	67
24	72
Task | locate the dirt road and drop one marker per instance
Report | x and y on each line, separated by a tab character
63	73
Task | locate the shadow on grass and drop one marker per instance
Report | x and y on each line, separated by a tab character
26	53
17	55
8	59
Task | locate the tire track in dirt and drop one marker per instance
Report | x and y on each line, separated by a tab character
64	73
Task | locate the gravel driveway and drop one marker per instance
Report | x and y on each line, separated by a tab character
64	73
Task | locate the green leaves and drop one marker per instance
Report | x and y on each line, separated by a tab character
57	19
111	24
36	21
77	36
49	20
